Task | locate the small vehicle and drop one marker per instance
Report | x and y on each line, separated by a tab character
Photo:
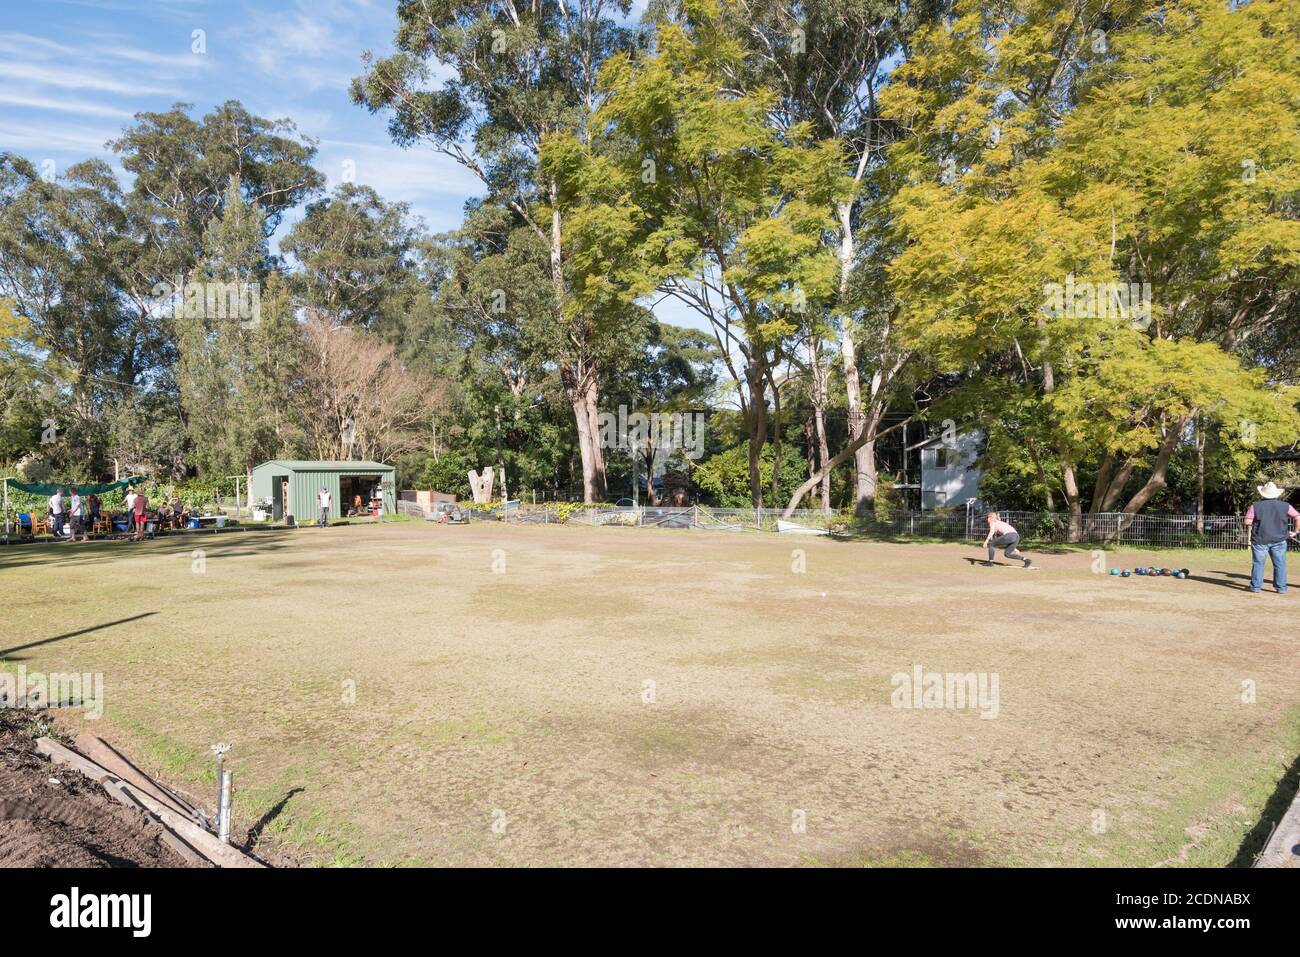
448	513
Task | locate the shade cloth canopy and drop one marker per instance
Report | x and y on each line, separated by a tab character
45	488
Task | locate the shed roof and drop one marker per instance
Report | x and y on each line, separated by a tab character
938	439
309	465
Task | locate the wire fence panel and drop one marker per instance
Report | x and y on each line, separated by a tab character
1040	528
1121	528
1058	528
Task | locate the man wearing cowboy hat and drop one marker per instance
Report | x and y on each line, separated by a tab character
1269	522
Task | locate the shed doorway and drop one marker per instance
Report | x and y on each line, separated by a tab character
361	495
279	492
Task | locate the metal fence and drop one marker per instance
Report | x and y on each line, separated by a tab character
1121	528
1055	528
1042	528
645	516
410	509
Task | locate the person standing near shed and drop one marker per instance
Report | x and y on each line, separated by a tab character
1270	522
323	500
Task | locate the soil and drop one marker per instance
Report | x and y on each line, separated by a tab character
52	816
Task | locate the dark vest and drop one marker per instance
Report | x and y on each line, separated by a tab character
1270	521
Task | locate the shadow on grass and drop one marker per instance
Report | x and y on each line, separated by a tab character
1268	578
1276	807
251	541
255	832
5	652
1221	582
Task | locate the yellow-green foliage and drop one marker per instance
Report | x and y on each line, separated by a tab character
1130	143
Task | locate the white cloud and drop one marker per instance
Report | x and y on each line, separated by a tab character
168	61
23	44
61	104
43	139
50	74
313	45
418	176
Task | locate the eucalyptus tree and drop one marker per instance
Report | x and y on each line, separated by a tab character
689	191
187	172
62	244
520	72
353	249
825	63
182	168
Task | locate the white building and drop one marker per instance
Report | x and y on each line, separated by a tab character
948	473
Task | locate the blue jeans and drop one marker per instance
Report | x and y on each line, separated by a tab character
1277	552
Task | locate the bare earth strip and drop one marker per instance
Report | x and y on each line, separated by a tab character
654	697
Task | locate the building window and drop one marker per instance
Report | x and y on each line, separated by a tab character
941	458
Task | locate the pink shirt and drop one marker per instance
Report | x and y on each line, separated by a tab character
1000	527
1291	513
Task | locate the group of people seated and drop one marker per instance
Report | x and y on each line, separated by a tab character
83	518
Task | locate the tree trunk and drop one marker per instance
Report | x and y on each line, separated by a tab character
598	488
1069	480
580	380
1200	476
754	376
810	442
818	445
823	454
582	395
869	434
1070	489
864	459
650	454
1156	481
776	438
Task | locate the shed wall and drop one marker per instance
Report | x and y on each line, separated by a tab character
305	483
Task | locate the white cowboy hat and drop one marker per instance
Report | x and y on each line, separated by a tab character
1269	490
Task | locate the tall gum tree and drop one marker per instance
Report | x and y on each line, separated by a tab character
61	248
521	71
687	189
827	60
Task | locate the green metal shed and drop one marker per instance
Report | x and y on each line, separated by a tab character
294	483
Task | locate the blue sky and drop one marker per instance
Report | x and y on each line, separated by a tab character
74	72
